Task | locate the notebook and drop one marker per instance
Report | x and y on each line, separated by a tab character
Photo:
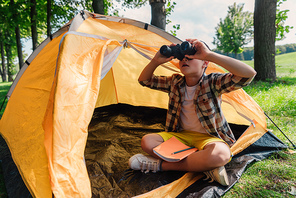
173	150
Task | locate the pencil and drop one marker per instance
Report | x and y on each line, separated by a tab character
182	150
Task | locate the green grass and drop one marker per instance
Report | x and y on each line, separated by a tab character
285	64
4	87
275	176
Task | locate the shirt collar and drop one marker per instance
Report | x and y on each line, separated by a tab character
181	82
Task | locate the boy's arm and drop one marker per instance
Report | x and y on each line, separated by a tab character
232	65
148	71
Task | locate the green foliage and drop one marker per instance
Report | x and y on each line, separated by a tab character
235	30
132	3
175	28
281	16
65	10
170	6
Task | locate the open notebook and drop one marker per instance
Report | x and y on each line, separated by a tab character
173	150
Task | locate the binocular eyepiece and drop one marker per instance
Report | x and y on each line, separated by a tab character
178	51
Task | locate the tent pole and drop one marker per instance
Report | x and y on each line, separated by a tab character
280	130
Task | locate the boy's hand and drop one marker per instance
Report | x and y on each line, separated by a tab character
160	59
202	51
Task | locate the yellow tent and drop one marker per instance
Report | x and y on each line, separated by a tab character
92	61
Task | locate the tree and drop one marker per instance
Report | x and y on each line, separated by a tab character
158	13
264	39
48	18
33	17
158	9
8	41
9	55
15	23
99	6
234	31
3	71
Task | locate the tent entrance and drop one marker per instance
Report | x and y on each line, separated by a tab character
115	133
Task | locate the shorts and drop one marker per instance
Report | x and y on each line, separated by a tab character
191	138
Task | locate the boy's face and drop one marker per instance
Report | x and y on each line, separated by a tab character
193	67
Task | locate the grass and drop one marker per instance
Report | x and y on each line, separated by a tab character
275	176
4	87
285	64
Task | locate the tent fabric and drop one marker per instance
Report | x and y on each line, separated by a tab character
66	132
94	61
21	123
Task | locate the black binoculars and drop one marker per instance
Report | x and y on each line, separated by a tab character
178	51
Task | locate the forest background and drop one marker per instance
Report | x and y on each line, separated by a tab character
26	23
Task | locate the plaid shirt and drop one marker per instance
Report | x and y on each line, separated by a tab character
207	100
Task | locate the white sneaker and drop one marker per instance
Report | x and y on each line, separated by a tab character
144	163
218	174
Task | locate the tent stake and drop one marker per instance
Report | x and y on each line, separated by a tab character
280	130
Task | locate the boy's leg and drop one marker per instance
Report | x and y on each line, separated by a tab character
149	142
210	159
214	154
147	162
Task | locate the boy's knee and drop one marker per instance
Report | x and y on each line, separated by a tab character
150	141
224	158
220	155
144	141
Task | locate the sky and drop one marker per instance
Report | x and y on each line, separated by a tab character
198	18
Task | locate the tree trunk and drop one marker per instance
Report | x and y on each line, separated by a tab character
19	46
48	17
98	6
4	72
158	13
33	16
8	57
15	23
264	39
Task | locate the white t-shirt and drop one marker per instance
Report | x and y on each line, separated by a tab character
188	117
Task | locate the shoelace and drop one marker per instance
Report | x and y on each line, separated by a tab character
148	166
209	175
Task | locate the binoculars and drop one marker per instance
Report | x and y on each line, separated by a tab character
178	51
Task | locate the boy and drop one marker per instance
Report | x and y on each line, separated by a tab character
194	113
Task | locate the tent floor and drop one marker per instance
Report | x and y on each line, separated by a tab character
115	134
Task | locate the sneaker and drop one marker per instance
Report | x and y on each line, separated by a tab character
218	174
144	163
